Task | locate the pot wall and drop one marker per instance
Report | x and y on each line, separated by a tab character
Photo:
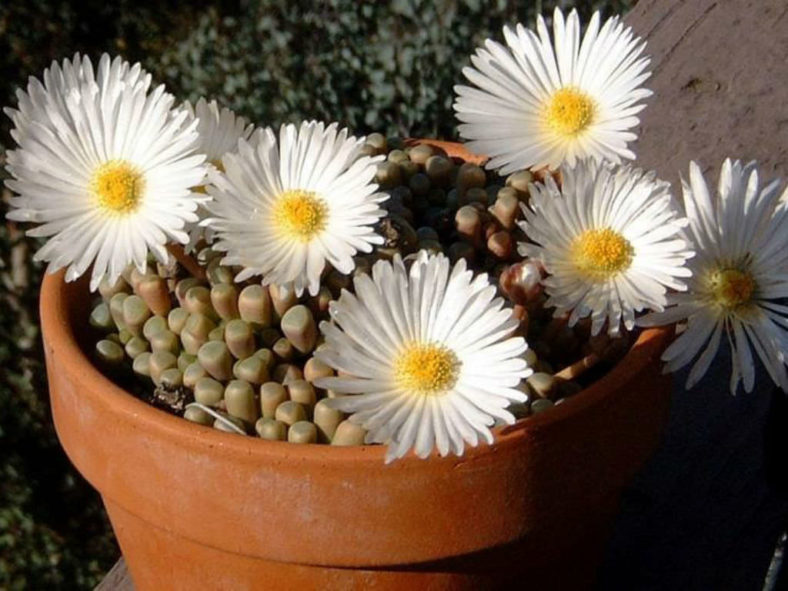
167	481
193	507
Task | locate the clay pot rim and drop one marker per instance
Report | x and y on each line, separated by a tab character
56	309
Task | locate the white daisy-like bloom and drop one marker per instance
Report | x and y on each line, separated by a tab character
428	356
610	241
542	102
283	209
104	165
219	130
740	277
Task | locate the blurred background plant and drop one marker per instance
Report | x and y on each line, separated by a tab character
374	66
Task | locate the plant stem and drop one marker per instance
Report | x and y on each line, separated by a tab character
186	260
575	370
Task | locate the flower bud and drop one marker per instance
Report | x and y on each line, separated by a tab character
521	282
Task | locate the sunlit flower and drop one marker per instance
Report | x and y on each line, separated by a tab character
740	277
104	165
282	210
219	131
610	241
428	356
542	102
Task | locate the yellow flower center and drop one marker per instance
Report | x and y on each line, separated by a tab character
599	254
426	368
570	111
118	186
300	214
731	288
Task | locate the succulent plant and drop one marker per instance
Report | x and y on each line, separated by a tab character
239	356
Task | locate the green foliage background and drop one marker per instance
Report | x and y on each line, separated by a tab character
375	66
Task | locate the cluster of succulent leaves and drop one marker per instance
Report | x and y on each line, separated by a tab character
387	66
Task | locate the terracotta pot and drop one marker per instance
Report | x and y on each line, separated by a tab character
195	508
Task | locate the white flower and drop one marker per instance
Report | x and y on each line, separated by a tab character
609	240
104	165
740	277
219	131
429	355
283	210
537	106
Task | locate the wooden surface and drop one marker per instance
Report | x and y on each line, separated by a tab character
720	71
707	510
